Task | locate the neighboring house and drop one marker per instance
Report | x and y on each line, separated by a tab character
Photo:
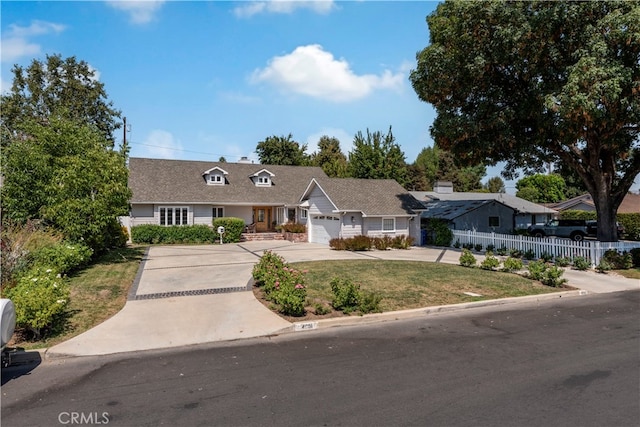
630	204
180	192
484	212
346	207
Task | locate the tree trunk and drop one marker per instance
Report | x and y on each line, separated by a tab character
606	208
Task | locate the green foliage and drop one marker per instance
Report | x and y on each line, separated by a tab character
490	247
233	228
536	269
604	266
281	150
63	257
365	243
348	297
40	297
490	262
382	243
321	309
158	234
529	254
517	253
552	276
562	261
457	244
512	264
495	185
478	247
330	158
377	156
635	257
617	260
581	263
502	250
358	243
504	90
402	242
439	233
546	256
294	227
434	163
631	224
577	214
467	259
338	244
283	285
548	188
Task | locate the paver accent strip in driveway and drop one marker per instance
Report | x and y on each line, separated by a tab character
193	292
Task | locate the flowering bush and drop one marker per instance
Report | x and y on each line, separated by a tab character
283	285
40	297
63	257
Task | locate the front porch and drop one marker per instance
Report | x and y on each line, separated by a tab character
251	237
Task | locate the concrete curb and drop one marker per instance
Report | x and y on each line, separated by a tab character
419	312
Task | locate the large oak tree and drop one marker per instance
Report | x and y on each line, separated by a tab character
529	83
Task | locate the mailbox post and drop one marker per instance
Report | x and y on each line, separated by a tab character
221	232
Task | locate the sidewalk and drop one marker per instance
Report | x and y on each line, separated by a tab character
190	295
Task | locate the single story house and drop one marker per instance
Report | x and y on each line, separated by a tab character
584	202
513	212
347	207
181	192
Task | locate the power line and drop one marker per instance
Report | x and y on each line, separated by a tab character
187	151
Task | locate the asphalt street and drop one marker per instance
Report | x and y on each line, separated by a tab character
552	363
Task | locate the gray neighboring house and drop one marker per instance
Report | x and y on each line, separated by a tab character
347	207
181	192
483	212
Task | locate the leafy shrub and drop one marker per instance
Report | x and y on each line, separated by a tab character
546	256
338	244
233	228
512	264
294	227
321	309
581	263
467	246
502	250
347	297
345	294
63	257
441	233
490	262
478	247
536	269
283	285
40	298
635	257
158	234
617	260
402	242
467	259
562	261
516	253
358	243
529	254
490	247
604	266
631	224
457	244
382	243
552	276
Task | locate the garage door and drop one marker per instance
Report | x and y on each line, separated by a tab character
324	228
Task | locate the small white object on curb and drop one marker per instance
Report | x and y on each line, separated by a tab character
472	294
305	326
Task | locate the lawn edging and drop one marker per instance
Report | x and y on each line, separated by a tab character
424	311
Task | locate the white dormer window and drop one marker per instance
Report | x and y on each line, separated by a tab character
264	180
215	176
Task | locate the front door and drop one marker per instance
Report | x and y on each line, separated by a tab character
262	218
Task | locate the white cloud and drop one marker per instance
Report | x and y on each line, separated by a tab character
283	6
140	12
161	144
310	70
16	41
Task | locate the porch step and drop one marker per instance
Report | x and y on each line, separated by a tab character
250	237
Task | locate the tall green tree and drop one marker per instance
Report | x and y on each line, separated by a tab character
495	185
281	150
531	83
65	174
464	178
62	86
540	188
377	156
330	157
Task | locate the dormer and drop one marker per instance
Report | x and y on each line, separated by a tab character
262	178
215	176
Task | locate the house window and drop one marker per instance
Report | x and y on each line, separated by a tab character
494	221
174	215
216	179
218	212
304	213
388	224
264	181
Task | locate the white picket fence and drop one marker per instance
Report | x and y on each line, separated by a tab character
591	250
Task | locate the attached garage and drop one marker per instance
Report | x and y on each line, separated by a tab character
323	228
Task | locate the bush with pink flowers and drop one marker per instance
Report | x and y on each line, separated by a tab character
282	284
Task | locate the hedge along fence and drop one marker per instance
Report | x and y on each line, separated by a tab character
233	228
630	221
156	234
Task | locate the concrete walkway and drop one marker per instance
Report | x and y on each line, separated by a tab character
186	295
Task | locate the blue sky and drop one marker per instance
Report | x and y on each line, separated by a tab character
202	80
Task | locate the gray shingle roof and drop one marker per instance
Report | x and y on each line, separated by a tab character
372	197
520	205
451	209
182	181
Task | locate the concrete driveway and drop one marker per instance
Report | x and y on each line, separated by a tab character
186	295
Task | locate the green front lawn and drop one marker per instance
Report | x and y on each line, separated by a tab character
414	284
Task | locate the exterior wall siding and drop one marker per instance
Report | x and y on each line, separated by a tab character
318	203
478	220
349	228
